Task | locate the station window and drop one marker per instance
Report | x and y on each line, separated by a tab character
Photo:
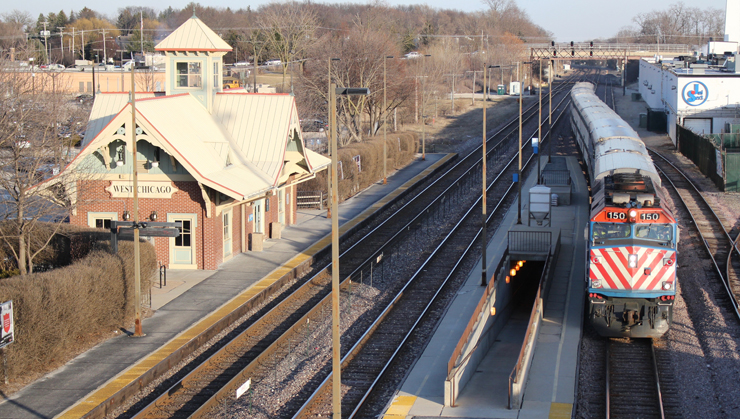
189	74
101	219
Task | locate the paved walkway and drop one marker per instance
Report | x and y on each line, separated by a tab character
192	301
550	390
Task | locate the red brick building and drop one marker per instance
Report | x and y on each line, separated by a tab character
224	163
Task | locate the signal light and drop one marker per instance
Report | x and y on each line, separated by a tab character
571	43
553	43
668	262
591	44
512	272
595	260
591	53
572	53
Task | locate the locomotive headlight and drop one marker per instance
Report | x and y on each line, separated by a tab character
667	286
632	216
632	261
595	283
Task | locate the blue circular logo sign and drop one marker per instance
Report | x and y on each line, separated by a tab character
694	93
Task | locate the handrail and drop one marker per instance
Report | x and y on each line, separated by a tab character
516	371
451	364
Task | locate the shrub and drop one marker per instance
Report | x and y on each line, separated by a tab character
63	312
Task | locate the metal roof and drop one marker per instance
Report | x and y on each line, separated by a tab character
260	125
625	162
240	150
104	110
193	35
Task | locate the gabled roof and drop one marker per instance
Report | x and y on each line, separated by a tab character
193	35
240	151
260	125
103	111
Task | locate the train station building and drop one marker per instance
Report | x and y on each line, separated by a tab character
224	163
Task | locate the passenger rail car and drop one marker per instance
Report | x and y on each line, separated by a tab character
633	236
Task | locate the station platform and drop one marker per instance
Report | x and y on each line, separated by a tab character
194	300
550	386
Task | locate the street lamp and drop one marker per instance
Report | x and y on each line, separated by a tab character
329	135
519	171
423	109
336	355
484	242
385	120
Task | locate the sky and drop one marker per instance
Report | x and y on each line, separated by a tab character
568	20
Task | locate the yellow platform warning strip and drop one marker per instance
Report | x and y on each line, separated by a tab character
560	410
131	374
400	407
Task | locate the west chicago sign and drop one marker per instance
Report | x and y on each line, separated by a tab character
125	189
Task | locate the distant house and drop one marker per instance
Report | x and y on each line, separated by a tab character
225	164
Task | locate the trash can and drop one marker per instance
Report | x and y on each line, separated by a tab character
501	89
643	120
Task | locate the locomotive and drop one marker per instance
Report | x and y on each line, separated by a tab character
633	235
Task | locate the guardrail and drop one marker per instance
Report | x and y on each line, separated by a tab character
529	241
555	177
518	376
310	199
451	364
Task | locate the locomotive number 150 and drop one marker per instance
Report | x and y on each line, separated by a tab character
616	215
650	216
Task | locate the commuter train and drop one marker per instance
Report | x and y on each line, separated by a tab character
631	267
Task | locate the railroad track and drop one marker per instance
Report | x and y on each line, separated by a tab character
249	356
711	228
374	354
632	380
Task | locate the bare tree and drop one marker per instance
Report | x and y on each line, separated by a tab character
289	30
37	123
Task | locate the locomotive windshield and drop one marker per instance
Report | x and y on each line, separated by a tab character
604	231
660	232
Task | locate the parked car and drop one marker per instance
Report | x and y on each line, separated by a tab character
273	63
412	54
313	125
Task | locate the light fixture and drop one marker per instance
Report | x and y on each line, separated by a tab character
667	286
119	163
126	215
154	164
153	216
595	283
512	272
632	261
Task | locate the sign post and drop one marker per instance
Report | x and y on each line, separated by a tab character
7	335
535	149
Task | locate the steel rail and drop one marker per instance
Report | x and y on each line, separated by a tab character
360	341
653	370
723	278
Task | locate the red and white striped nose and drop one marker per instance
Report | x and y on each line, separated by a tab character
632	261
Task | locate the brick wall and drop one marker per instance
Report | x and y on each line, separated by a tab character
207	236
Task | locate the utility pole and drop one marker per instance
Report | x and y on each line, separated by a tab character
137	256
484	270
519	171
385	120
329	136
105	53
46	43
452	97
472	91
83	45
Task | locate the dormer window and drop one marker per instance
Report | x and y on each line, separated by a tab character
189	74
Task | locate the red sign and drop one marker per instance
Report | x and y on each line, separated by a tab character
6	322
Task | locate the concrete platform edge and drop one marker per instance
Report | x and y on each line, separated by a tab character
90	405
